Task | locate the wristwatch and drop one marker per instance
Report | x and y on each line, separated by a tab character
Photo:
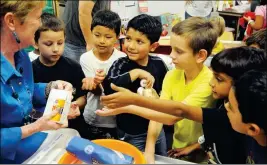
201	139
250	21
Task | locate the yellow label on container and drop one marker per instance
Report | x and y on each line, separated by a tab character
58	106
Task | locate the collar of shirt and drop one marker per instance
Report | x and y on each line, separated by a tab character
7	70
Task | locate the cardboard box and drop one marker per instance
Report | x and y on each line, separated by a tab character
59	100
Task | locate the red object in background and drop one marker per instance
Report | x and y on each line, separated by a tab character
143	6
242	22
164	33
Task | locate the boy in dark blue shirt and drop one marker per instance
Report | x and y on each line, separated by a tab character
143	33
247	112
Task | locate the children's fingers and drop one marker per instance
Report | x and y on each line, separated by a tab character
84	85
117	88
84	80
100	74
179	153
99	78
104	113
149	84
77	113
172	152
111	105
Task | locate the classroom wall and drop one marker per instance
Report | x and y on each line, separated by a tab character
155	8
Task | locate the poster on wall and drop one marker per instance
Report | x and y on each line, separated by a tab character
143	6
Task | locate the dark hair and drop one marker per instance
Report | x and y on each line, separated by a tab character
148	25
251	95
49	22
236	61
200	32
258	38
108	19
263	2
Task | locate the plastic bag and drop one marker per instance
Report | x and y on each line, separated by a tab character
92	153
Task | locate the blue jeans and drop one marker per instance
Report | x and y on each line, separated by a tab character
73	52
139	141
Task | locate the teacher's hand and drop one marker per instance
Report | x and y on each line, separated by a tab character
59	84
45	123
63	85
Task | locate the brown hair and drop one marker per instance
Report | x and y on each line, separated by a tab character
199	31
20	8
219	22
49	22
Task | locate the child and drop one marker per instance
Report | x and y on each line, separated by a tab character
227	66
257	39
95	63
219	22
192	41
142	35
51	65
247	112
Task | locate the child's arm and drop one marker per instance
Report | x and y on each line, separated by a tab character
125	97
180	110
119	74
154	129
88	83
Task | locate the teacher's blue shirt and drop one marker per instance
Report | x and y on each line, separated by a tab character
13	110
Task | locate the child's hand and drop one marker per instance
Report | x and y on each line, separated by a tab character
88	83
113	112
247	18
74	111
99	76
148	77
179	152
121	98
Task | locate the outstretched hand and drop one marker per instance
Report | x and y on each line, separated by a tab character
121	98
112	112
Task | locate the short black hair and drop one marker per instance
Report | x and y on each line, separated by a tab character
200	32
49	22
108	19
148	25
251	94
263	2
236	61
259	38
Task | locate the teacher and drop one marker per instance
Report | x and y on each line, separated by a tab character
19	140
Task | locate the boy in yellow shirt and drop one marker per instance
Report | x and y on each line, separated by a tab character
192	41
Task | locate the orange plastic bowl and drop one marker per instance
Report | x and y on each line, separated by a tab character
117	145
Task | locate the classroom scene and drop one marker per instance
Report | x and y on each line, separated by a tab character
133	82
